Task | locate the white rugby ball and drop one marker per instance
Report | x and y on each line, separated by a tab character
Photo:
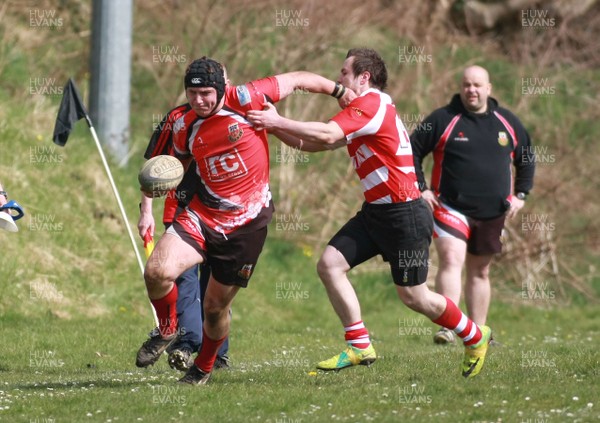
160	174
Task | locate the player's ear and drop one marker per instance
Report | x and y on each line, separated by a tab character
365	77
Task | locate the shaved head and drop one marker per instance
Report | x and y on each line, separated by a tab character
476	72
475	89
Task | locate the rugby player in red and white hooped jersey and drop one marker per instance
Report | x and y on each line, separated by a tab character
394	220
226	221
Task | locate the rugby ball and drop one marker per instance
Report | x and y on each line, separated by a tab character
160	174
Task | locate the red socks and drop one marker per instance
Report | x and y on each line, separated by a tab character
357	335
166	311
455	320
208	352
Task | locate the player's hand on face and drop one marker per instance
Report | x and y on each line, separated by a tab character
430	199
263	119
348	96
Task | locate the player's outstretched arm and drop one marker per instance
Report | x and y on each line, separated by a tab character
311	82
307	146
314	132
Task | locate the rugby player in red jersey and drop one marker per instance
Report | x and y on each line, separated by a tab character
225	223
192	283
394	220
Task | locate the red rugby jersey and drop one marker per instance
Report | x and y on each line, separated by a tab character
232	158
380	149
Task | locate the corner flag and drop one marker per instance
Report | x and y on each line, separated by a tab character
71	110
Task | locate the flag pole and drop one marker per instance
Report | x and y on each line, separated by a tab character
71	110
116	193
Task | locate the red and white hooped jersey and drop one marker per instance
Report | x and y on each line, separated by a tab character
380	149
231	157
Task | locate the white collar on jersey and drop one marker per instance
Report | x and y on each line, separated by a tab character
386	98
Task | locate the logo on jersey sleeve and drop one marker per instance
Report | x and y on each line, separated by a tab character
502	138
243	95
235	132
225	166
179	125
358	111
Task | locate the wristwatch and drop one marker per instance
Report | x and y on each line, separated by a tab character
521	195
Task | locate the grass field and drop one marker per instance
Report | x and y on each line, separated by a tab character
74	311
82	369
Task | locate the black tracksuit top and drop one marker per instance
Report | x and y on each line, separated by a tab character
473	157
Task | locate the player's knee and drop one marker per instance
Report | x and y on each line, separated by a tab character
450	259
325	267
478	268
154	275
484	272
214	312
481	273
331	262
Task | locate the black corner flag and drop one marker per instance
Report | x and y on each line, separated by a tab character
71	110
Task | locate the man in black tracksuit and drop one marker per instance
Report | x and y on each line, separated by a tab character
475	144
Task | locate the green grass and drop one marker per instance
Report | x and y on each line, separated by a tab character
82	369
73	309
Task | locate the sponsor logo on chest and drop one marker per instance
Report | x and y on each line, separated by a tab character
460	137
225	166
